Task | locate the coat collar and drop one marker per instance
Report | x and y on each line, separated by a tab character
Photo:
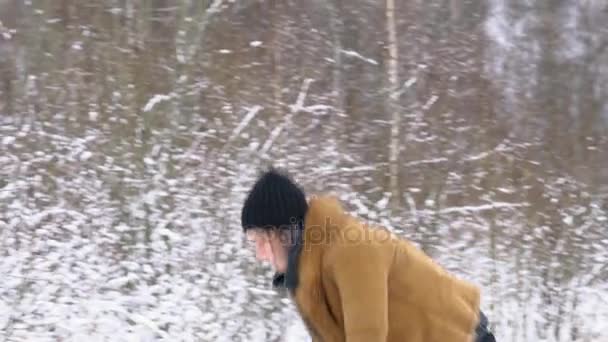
323	212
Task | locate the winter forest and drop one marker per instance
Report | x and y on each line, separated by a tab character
130	132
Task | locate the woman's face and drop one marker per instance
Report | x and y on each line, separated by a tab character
269	247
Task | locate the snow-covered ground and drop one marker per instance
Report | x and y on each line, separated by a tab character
70	275
130	132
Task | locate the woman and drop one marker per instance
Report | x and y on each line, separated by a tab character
353	282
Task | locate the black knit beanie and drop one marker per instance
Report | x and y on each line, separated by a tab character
275	201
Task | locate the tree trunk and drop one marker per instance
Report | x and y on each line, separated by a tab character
337	82
275	58
392	64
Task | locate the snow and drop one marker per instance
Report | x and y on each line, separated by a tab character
318	110
382	203
430	102
251	113
355	54
123	170
8	140
86	155
483	207
156	99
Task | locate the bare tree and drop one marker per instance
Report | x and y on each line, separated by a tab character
392	73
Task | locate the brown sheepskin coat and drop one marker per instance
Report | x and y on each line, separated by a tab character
358	283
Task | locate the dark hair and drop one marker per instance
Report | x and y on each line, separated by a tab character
274	202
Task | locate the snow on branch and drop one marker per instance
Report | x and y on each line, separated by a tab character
246	120
294	109
355	54
426	161
406	85
476	209
156	99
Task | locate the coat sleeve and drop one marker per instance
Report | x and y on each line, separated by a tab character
360	273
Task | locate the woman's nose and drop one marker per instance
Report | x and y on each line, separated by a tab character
259	254
262	253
